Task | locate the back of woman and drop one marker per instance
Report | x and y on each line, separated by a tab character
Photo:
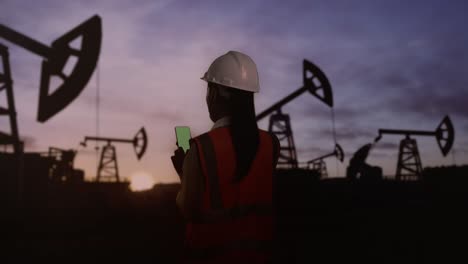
226	192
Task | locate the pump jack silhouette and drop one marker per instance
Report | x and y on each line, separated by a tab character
108	169
55	59
51	101
316	82
409	166
319	164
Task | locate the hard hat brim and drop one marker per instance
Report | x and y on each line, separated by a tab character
230	86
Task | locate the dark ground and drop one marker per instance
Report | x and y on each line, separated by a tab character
331	220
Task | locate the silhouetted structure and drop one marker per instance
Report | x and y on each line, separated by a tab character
108	169
6	84
55	59
319	164
316	82
409	165
26	175
359	169
62	169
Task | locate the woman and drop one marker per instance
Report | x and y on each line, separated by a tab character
227	175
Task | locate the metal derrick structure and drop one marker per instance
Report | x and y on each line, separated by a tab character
6	84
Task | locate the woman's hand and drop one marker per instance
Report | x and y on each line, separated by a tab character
178	160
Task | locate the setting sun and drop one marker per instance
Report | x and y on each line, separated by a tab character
140	181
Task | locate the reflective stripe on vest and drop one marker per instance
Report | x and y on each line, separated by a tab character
233	215
207	150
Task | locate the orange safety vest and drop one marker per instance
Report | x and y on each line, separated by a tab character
235	223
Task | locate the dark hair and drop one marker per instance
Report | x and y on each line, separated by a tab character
244	129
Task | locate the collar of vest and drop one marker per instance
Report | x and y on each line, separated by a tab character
222	122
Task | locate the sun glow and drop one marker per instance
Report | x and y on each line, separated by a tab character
141	181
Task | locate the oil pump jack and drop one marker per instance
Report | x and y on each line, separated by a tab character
409	165
108	169
319	164
317	84
55	59
52	100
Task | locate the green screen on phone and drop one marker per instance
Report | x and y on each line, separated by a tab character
183	137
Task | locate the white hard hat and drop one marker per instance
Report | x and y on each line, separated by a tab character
234	69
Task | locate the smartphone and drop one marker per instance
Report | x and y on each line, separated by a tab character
183	137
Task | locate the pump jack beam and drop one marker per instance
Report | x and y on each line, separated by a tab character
139	142
55	59
314	81
444	133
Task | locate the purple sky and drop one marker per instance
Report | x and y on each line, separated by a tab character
392	64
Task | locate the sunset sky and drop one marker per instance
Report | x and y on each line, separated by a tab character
391	64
